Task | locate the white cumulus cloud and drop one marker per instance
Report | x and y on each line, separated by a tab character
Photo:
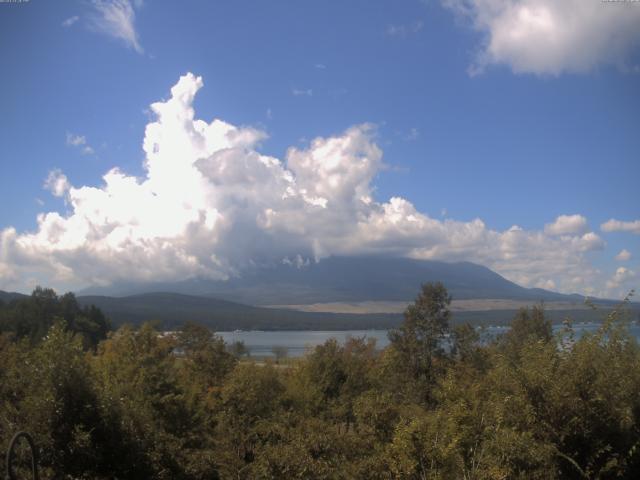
624	255
57	183
614	225
551	37
210	204
567	225
620	283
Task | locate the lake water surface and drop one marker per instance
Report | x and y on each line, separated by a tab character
297	342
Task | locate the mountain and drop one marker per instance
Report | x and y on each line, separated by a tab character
6	297
173	310
239	302
348	279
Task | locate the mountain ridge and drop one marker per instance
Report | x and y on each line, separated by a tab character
346	279
9	296
174	309
241	303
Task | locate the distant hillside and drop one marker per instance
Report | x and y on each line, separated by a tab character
6	297
237	303
173	310
348	279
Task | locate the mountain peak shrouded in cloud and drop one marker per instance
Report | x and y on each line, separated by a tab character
210	205
550	37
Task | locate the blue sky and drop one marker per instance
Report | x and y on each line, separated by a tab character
475	114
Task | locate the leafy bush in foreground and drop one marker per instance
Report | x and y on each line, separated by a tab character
145	405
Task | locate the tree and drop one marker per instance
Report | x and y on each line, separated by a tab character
31	317
280	352
251	396
88	321
528	325
466	348
48	392
419	340
206	356
239	349
143	403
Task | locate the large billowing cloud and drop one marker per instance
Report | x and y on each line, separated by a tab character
211	205
550	37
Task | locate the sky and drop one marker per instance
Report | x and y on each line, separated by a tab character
159	141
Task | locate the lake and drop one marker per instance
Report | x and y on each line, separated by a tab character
261	343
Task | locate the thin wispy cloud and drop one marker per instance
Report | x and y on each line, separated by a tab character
116	18
70	21
296	92
412	135
404	30
338	92
79	142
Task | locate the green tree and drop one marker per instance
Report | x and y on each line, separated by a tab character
32	317
251	397
48	391
143	402
419	340
528	325
206	358
238	349
280	352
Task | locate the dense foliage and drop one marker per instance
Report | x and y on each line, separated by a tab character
32	317
437	403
